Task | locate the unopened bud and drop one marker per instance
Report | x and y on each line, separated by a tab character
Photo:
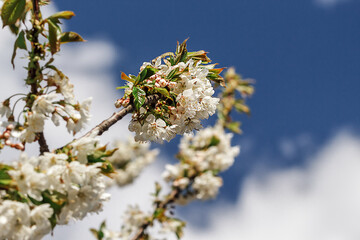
119	103
126	102
19	146
6	135
10	127
172	85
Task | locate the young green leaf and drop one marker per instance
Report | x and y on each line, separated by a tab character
141	76
54	31
19	43
145	74
163	92
139	97
125	77
12	10
67	37
123	87
63	15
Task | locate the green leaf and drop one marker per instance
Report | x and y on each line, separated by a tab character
158	212
141	76
172	73
163	92
145	74
12	10
214	141
19	43
234	127
125	77
67	37
99	234
54	31
63	15
216	78
15	196
107	167
181	52
241	107
14	28
123	87
139	97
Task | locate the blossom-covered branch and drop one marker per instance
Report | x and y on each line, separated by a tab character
106	124
202	158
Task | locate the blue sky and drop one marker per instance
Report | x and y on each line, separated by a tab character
303	54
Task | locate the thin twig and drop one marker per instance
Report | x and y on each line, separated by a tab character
107	123
42	142
162	205
33	71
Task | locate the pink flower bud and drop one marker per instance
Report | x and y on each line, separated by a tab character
19	146
6	135
119	103
10	127
172	85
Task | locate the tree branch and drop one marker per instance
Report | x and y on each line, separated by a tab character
42	142
162	205
107	123
34	71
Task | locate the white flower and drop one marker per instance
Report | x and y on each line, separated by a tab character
209	149
65	87
40	217
43	103
14	220
5	110
130	159
36	122
83	147
207	185
29	181
133	219
77	122
56	119
110	235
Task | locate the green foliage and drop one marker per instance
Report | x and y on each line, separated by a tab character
139	97
67	37
6	181
64	15
230	100
11	11
54	31
162	91
19	43
100	155
147	72
99	234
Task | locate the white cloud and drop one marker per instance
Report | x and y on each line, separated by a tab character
320	201
329	3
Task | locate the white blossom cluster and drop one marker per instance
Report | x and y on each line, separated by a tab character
194	101
19	221
58	104
133	218
80	187
202	156
130	159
